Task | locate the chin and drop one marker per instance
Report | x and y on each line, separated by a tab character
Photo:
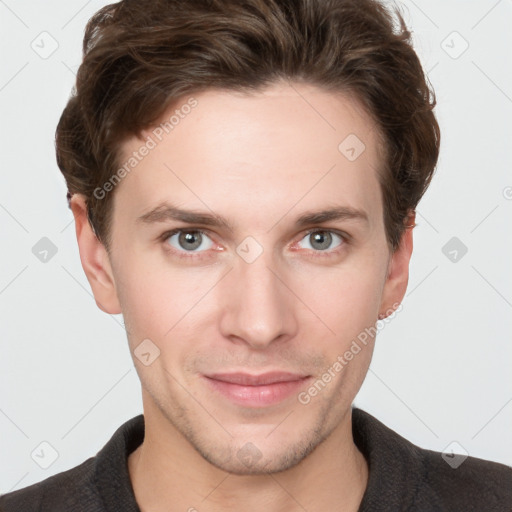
261	457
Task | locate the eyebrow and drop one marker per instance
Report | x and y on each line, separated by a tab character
165	212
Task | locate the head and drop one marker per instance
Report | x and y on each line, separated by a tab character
253	117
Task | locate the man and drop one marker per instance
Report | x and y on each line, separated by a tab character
243	178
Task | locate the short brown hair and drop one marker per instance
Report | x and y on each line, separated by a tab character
140	56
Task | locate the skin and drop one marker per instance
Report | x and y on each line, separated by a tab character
260	161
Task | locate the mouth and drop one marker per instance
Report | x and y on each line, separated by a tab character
256	391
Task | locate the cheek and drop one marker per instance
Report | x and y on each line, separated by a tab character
346	298
158	299
140	293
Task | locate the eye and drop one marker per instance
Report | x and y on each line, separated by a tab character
192	242
321	241
188	241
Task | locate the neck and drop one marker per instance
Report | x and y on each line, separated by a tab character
168	474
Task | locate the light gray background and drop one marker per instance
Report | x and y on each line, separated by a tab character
442	368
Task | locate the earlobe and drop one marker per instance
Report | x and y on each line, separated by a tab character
95	259
398	272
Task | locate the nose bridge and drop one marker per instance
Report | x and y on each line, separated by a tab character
258	307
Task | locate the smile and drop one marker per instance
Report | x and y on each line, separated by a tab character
256	390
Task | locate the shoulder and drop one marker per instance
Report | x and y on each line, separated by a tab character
98	484
69	490
408	477
477	483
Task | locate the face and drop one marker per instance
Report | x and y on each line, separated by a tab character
246	300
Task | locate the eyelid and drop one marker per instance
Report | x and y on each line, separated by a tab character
341	234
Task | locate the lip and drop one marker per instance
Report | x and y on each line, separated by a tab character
260	390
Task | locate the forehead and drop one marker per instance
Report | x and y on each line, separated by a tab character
287	146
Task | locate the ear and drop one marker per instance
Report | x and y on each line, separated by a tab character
95	259
398	271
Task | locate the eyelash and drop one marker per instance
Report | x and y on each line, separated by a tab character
188	255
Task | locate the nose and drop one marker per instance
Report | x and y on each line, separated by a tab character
258	308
